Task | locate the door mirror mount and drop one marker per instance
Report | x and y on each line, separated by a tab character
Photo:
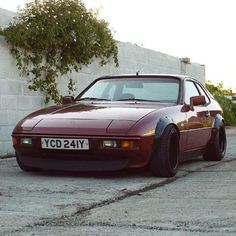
67	100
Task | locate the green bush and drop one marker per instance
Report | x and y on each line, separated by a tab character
229	108
234	108
50	38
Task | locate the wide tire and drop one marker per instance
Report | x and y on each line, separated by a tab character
165	157
217	148
24	167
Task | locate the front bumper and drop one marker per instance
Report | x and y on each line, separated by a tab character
74	164
95	159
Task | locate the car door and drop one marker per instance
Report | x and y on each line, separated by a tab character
198	119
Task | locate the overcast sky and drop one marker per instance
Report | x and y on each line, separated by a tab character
203	30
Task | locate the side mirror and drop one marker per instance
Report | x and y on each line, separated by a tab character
194	101
197	100
67	100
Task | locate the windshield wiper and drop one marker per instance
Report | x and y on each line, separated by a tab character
136	99
92	99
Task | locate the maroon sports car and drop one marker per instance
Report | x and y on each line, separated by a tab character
124	121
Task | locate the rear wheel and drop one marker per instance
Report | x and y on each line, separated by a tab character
217	148
165	157
24	167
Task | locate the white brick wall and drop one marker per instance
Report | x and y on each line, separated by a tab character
16	100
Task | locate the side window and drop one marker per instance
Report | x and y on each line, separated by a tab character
203	93
190	91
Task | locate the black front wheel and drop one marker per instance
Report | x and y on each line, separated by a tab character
165	157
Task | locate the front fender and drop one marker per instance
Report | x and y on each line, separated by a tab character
162	124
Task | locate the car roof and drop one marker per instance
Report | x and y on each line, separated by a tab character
137	75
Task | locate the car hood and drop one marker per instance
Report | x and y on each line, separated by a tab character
97	112
84	119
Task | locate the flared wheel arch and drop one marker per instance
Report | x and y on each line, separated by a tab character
161	161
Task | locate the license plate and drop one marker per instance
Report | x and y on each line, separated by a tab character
65	144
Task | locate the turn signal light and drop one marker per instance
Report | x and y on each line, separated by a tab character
127	144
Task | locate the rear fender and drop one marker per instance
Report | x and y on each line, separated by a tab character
216	126
218	121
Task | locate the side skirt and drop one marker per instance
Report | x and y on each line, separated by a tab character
191	154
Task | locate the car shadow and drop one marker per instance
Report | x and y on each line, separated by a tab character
125	173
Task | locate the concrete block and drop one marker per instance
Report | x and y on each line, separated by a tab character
14	87
3	118
26	91
24	103
3	87
12	117
9	102
37	102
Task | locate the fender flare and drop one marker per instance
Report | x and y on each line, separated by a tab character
218	121
162	124
215	129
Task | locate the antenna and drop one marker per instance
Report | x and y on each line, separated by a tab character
137	73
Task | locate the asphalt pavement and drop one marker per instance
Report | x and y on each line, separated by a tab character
200	200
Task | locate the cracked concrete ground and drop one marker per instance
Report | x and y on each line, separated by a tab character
200	200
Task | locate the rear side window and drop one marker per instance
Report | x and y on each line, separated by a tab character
190	91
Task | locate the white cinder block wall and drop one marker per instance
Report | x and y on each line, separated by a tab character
16	100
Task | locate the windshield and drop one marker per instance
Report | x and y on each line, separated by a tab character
139	89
